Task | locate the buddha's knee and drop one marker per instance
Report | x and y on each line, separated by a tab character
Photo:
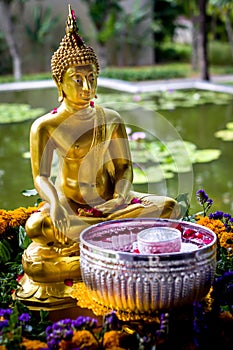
39	228
171	209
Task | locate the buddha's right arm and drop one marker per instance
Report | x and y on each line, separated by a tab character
58	213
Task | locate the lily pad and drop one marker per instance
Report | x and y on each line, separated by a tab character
163	100
225	135
230	125
14	113
206	155
151	174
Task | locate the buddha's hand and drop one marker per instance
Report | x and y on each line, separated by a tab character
61	222
112	205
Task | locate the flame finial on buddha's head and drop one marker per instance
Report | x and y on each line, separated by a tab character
72	50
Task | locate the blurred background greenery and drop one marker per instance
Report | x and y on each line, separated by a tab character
146	39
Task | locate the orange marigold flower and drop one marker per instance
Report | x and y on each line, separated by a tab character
112	340
81	339
226	240
33	344
215	225
14	218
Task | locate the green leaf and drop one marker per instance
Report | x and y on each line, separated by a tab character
5	251
225	135
24	240
206	155
13	113
29	193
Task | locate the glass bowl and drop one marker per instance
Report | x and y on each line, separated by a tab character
159	239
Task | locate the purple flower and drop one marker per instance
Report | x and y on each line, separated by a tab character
5	313
218	215
202	197
111	322
85	322
3	324
227	216
25	317
62	329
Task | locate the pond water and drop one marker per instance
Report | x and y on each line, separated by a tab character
196	125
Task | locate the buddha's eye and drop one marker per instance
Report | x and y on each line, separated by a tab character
78	79
91	78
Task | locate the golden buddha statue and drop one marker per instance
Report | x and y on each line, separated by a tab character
94	177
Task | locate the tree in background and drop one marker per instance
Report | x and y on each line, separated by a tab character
203	40
225	10
133	32
196	11
104	16
165	15
39	30
11	26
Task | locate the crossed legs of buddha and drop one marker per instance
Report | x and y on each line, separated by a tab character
40	229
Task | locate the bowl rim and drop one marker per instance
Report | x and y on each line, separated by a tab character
138	256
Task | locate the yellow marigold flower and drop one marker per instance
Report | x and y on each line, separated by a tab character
215	225
226	240
208	301
33	344
3	221
112	340
81	339
14	218
18	216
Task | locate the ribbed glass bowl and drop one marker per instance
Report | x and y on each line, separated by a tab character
120	278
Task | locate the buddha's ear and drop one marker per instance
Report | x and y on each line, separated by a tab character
59	88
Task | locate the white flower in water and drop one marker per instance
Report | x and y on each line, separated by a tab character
196	96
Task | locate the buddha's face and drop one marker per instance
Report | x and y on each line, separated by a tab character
79	84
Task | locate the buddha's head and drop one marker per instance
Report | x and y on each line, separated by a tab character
72	52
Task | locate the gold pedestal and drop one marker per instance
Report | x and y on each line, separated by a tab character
48	281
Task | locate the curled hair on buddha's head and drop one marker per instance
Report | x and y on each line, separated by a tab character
72	51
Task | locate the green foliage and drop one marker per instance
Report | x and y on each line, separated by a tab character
220	53
128	24
224	261
43	23
103	14
24	240
12	336
5	251
174	52
165	14
145	73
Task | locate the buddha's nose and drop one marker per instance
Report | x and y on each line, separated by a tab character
86	85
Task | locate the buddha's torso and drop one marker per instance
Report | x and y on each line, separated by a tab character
83	174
